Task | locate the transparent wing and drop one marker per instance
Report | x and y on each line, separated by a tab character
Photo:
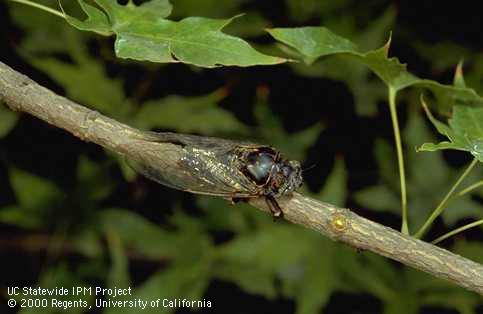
219	145
181	179
203	167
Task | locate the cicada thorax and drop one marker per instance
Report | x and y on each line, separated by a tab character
259	165
266	168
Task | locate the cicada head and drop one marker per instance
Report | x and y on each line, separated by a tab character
286	177
273	174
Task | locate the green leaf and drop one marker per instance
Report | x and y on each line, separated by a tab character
271	130
304	268
366	91
384	154
312	42
464	131
219	214
85	79
251	24
188	252
96	20
405	303
138	234
40	31
207	8
376	31
253	280
432	291
364	272
255	251
442	55
118	275
36	197
94	180
17	216
335	188
143	33
58	276
180	281
318	281
316	42
199	114
33	192
193	40
152	11
112	13
8	119
421	167
88	242
378	197
459	79
303	10
471	250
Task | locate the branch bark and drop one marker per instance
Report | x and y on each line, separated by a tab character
340	224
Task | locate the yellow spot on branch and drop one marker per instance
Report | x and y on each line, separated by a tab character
339	222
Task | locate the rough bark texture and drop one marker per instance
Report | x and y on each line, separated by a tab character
340	224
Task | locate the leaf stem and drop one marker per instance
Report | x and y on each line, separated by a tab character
458	230
400	159
41	7
445	200
470	188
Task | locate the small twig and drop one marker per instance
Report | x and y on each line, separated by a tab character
472	187
400	159
440	208
41	7
340	224
458	230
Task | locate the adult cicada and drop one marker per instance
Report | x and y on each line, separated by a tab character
231	169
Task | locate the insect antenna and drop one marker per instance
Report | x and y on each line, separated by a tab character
308	168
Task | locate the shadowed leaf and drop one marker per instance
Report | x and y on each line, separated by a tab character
316	42
199	114
8	119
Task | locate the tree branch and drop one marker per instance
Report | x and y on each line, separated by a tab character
340	224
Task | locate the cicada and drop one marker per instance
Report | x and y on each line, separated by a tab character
235	170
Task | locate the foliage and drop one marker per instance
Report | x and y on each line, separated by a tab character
384	196
8	119
143	33
465	131
168	244
316	42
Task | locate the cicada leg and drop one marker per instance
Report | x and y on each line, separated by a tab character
274	207
235	200
272	204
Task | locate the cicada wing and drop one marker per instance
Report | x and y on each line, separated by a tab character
184	179
219	145
202	165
